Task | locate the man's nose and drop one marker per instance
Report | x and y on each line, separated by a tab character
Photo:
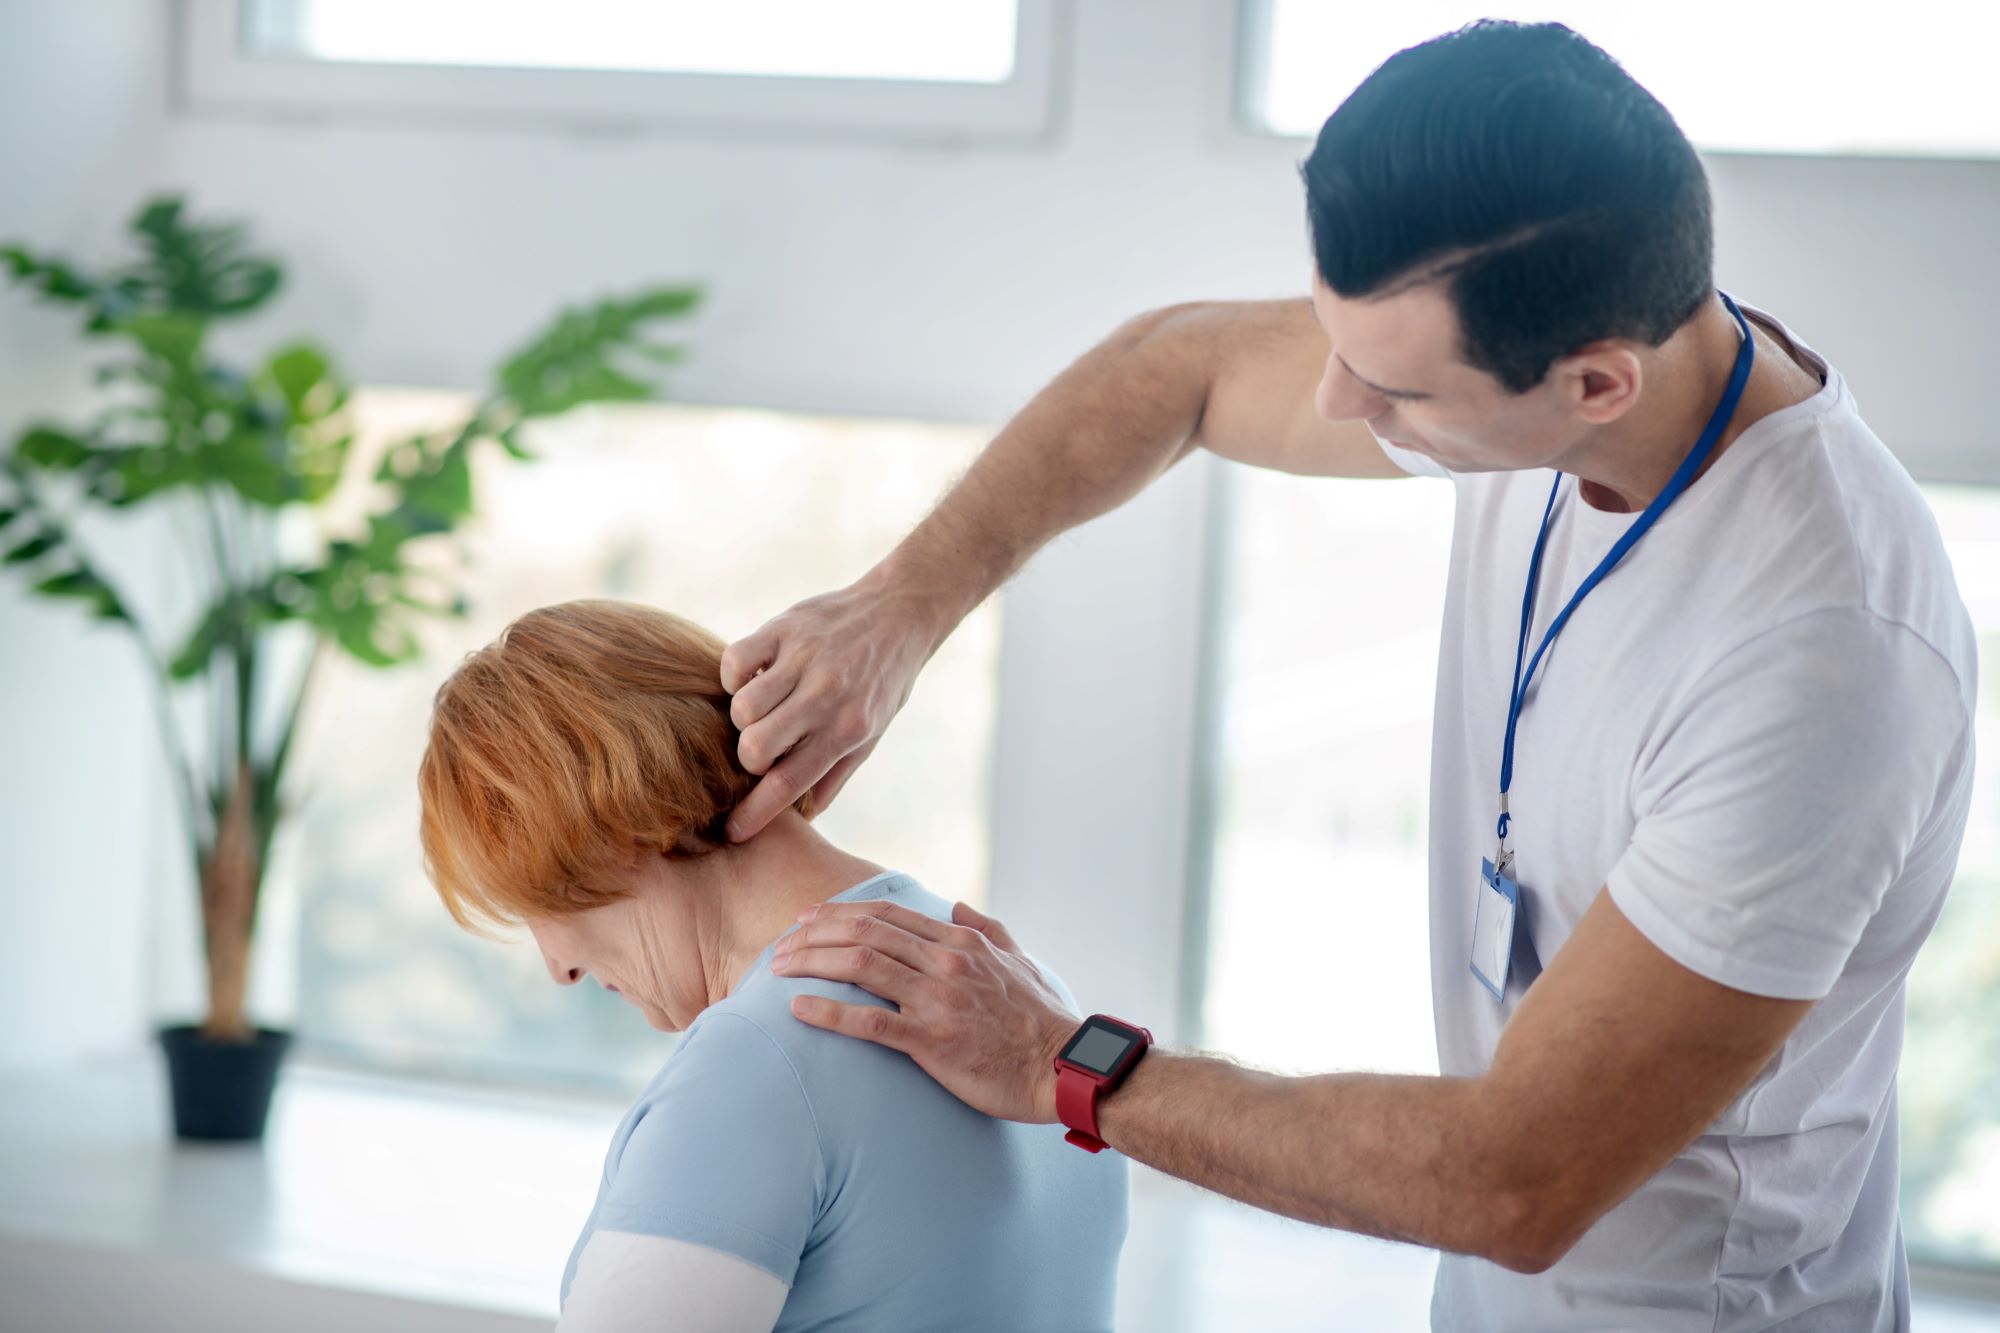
564	976
1341	397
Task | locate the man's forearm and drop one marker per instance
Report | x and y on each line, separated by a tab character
1400	1157
1096	436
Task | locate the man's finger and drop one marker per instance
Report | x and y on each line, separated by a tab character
861	929
869	1022
750	654
764	743
767	800
829	786
856	964
761	694
965	915
894	914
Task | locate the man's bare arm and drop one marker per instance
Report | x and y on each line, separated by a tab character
817	686
1615	1060
1267	360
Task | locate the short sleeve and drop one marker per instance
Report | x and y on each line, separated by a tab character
725	1154
1782	797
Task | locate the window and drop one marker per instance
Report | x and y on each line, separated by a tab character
1329	651
970	42
1950	1090
1908	79
1326	696
727	517
896	68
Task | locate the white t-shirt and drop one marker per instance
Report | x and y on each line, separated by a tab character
1757	731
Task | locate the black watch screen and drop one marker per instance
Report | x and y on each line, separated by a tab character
1104	1046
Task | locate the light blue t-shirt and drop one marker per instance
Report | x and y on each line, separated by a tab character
841	1168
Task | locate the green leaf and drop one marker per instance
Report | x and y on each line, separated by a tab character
58	281
174	338
314	399
136	473
34	548
7	516
361	630
199	269
441	491
510	440
574	362
207	636
254	463
667	354
85	585
53	450
303	375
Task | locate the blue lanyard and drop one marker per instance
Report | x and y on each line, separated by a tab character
1683	477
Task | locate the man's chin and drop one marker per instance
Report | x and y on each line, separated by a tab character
1408	447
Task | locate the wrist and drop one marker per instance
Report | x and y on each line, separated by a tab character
1053	1040
1094	1063
922	593
945	569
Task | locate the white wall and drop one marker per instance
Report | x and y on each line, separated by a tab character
82	88
896	280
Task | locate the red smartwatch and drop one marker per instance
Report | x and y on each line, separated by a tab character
1093	1062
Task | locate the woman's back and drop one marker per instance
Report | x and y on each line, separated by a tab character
839	1167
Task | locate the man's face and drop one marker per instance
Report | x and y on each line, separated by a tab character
1393	363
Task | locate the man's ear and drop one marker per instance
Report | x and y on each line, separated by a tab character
1601	381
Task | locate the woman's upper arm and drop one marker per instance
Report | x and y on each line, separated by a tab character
628	1283
725	1154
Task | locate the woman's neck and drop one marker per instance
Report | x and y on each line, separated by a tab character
752	892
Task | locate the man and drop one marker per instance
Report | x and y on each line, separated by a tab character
1695	804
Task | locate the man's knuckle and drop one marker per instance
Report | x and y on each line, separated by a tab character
850	723
876	1022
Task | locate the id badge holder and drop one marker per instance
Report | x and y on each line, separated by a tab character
1493	929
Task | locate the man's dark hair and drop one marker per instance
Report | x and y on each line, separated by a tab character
1524	167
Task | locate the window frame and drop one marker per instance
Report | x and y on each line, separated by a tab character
1250	73
217	77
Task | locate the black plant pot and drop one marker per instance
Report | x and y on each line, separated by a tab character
222	1089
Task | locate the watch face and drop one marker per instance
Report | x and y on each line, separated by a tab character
1098	1047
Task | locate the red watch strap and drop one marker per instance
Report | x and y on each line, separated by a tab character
1076	1106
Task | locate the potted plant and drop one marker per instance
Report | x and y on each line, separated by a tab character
229	453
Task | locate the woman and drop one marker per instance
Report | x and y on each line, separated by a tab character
771	1175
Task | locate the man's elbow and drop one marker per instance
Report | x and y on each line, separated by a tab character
1531	1232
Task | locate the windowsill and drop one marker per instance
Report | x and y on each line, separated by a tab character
425	1191
471	1198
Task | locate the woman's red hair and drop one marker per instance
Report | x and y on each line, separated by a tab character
588	734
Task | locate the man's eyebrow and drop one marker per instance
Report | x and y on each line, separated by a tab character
1386	393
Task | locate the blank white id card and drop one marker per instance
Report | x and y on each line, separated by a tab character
1493	929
